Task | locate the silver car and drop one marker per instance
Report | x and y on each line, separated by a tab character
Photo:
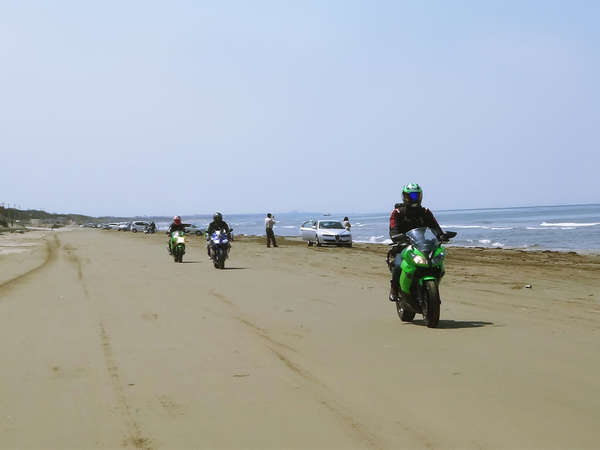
325	232
139	225
124	226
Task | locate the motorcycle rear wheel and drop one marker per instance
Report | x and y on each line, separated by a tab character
431	314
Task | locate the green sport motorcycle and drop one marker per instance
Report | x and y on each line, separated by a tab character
177	245
421	257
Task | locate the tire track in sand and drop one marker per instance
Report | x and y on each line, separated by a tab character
133	428
322	392
51	255
134	432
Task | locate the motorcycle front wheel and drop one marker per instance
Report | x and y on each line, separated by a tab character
405	313
220	259
431	312
178	254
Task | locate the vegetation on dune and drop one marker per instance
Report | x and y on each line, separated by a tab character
10	217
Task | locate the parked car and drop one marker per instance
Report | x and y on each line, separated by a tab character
139	225
124	226
193	229
325	232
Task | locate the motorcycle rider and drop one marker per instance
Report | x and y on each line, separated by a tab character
216	225
175	226
406	216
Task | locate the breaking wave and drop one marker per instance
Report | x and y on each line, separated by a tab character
569	224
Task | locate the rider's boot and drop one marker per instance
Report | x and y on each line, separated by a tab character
393	291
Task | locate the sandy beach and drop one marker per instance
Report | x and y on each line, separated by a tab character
107	343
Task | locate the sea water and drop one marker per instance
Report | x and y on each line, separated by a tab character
563	228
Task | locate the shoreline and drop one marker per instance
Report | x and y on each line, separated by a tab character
26	233
585	252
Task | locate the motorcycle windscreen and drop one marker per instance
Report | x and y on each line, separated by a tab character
424	239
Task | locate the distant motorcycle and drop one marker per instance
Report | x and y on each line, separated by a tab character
149	230
177	245
422	266
219	246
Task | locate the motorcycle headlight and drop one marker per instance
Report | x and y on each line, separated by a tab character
418	259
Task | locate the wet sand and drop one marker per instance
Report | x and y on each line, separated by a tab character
107	343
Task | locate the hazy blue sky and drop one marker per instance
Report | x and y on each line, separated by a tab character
180	107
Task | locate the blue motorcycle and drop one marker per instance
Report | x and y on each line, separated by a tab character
219	248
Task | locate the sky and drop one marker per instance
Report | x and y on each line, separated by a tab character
189	107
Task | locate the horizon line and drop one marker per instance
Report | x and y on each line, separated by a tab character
315	212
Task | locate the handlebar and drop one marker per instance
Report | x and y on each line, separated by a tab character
399	238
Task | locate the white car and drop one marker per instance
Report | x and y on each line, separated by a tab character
193	229
325	232
139	225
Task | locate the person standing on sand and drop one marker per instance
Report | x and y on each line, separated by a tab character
347	225
269	222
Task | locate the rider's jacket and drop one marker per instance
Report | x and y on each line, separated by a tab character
404	219
176	227
216	226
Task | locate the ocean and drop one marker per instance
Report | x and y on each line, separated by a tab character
562	228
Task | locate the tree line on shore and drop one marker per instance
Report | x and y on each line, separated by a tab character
18	218
13	217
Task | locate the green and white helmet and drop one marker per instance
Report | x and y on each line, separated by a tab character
412	194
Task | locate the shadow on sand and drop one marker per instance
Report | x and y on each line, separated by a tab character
456	324
191	262
234	268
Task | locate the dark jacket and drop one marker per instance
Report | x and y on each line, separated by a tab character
404	219
216	226
176	227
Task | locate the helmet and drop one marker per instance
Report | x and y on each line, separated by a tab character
412	194
218	216
177	220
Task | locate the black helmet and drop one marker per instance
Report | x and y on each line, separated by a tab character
218	217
